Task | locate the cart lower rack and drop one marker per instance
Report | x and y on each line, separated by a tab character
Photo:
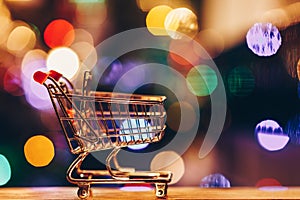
94	121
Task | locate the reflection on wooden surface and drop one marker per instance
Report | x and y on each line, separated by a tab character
67	193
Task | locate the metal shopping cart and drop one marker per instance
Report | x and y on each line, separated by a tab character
93	121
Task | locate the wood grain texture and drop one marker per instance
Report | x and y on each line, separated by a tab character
68	193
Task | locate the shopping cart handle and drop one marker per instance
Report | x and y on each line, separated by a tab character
55	75
40	77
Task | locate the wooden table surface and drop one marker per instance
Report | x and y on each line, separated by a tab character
66	193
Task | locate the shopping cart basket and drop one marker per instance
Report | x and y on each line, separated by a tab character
93	121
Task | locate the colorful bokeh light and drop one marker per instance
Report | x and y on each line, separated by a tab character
39	151
267	182
136	187
181	23
33	60
146	5
156	18
21	39
35	94
113	72
39	102
136	130
86	13
82	35
270	185
216	180
5	19
241	81
271	136
63	60
39	90
185	56
86	53
202	80
273	188
4	27
5	170
128	70
12	82
59	33
169	161
272	16
263	39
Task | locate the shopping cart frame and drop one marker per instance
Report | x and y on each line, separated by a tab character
61	91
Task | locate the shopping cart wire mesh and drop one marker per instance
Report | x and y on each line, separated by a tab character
94	121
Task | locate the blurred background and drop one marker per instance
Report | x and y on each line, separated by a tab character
259	143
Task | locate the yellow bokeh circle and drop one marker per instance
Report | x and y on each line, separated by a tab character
156	18
39	151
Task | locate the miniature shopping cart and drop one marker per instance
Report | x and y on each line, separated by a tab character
93	121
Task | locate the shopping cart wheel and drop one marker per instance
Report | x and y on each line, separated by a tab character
83	191
161	189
